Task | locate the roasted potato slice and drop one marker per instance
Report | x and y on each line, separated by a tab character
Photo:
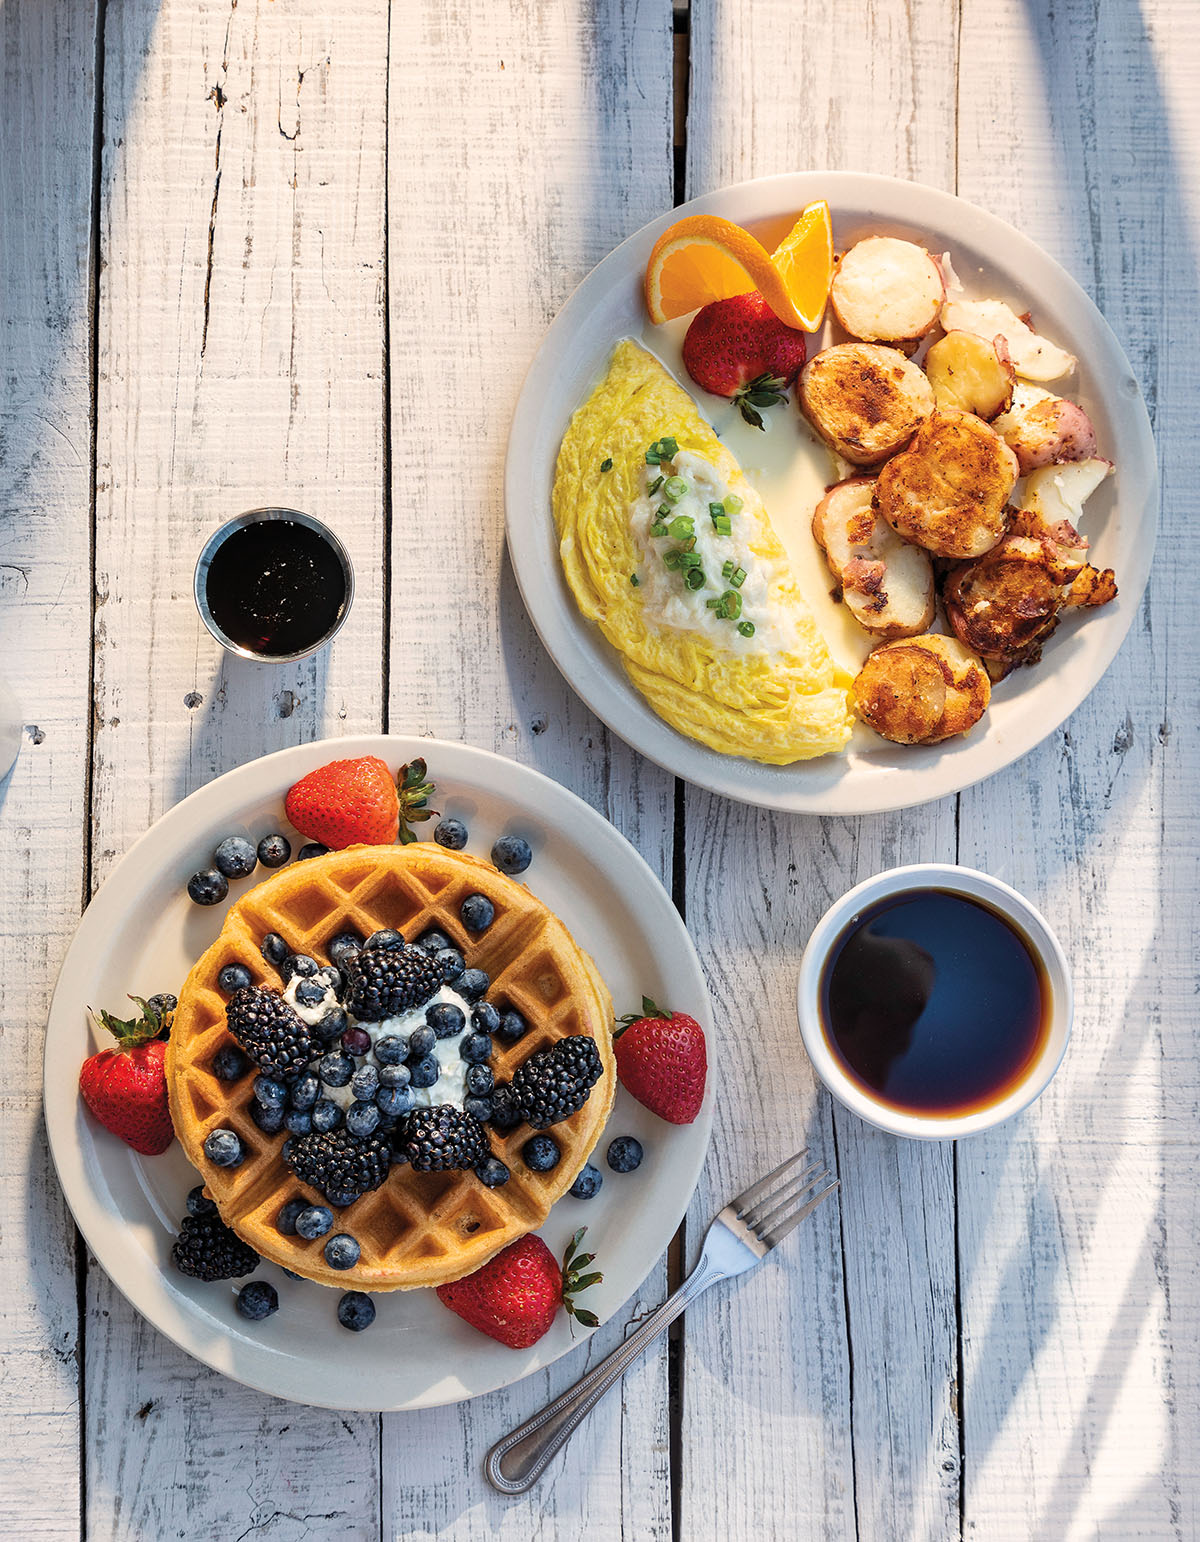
887	291
1056	493
864	400
922	690
1033	357
969	374
948	492
887	585
1046	432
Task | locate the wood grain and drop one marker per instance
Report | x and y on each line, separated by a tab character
525	142
856	1377
47	57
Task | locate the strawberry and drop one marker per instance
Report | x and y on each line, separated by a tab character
662	1060
356	802
739	348
516	1295
126	1087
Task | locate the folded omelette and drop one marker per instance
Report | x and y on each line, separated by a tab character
669	549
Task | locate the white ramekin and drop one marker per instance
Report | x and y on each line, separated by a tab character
958	880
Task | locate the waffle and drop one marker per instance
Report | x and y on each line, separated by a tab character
418	1228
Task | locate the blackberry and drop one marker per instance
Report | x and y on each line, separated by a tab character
505	1113
272	1034
386	982
207	1250
439	1139
339	1163
554	1083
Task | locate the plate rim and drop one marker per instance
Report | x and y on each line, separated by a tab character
619	706
153	1294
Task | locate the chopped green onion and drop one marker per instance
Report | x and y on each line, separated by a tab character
664	511
654	487
694	578
688	559
672	559
668	447
738	577
634	580
721	524
733	604
661	450
689	544
674	488
714	603
727	568
716	508
733	504
746	628
681	527
606	465
658	528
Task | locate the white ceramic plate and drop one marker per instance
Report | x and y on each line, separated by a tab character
992	260
141	934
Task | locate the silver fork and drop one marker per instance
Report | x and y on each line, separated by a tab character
738	1238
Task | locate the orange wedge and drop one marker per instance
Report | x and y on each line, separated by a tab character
704	258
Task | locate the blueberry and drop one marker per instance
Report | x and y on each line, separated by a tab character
452	963
334	979
300	964
285	1221
446	1019
313	849
425	1071
314	1222
587	1185
434	941
492	1173
269	1120
305	1090
365	1082
164	1002
342	948
291	1274
451	833
356	1311
335	1069
229	1063
472	983
511	854
504	1116
270	1093
399	1155
394	1076
298	1121
385	937
274	949
393	1101
343	1197
362	1118
356	1041
326	1116
512	1026
208	887
420	1043
274	850
235	857
224	1149
541	1153
479	1081
624	1154
478	1108
485	1017
342	1251
475	1049
257	1300
234	977
332	1025
310	993
198	1203
391	1049
477	912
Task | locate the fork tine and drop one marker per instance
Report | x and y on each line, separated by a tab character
792	1184
770	1210
775	1237
757	1190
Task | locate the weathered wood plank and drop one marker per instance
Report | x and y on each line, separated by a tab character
844	1355
525	141
47	59
1080	1304
241	351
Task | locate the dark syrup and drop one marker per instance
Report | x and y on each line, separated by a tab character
275	587
934	1003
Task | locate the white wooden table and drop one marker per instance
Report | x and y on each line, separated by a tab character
301	251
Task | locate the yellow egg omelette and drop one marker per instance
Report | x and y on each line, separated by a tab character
669	549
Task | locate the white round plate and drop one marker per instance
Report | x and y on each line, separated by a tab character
141	934
994	261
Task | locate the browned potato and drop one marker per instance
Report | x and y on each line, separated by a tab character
922	690
887	291
1093	586
948	492
887	585
865	401
1047	432
969	374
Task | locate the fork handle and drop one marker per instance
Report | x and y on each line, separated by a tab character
518	1461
